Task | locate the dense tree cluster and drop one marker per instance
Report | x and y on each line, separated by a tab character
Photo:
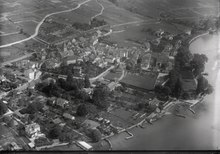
194	63
84	26
9	121
82	110
100	95
198	63
203	86
32	108
42	141
183	58
162	92
95	135
129	64
173	82
64	69
54	132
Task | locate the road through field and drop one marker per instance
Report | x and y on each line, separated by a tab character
40	23
9	34
100	13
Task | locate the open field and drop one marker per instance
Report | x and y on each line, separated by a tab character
184	13
11	38
152	8
206	11
82	15
5	135
28	27
24	17
31	6
7	27
124	34
10	53
18	50
115	15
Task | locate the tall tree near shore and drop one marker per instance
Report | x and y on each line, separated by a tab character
209	89
203	86
95	135
182	58
198	63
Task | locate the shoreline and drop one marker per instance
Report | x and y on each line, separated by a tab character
197	37
133	127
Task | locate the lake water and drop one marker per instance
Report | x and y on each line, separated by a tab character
195	132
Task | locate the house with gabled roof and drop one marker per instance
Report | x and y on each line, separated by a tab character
32	129
188	84
145	82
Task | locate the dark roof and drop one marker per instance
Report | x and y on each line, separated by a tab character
160	57
187	74
188	85
144	82
188	82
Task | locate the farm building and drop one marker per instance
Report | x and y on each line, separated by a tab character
68	116
188	84
32	129
57	121
144	83
84	145
91	124
61	102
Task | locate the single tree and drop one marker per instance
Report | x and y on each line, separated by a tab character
11	123
87	82
3	108
202	84
182	58
34	107
209	89
95	135
82	95
198	63
82	110
129	64
6	119
54	132
173	78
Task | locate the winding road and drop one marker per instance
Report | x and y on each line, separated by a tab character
100	11
40	23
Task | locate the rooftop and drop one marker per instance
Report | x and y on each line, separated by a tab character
188	81
57	121
144	82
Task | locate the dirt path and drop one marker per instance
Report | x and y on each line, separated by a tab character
40	23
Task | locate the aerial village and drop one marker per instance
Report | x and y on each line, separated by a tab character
85	89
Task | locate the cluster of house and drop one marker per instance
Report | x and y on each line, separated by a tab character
8	81
31	69
33	129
